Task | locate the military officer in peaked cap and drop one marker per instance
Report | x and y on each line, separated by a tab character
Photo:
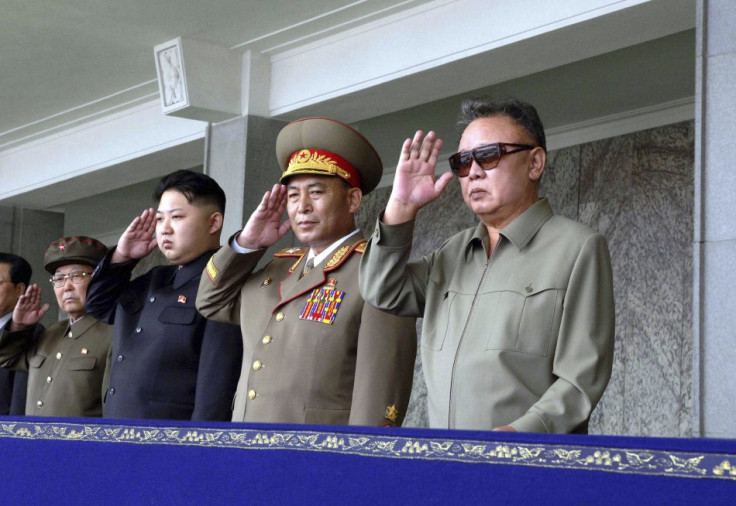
67	365
314	352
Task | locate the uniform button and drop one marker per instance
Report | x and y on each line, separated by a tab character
251	394
48	379
138	330
58	356
266	339
257	365
120	358
39	403
152	299
112	391
279	316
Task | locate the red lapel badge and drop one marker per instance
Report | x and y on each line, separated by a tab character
182	299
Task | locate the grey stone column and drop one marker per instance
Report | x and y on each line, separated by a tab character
714	248
27	233
240	155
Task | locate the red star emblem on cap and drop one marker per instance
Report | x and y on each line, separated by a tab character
62	246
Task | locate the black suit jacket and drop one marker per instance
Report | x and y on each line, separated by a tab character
168	361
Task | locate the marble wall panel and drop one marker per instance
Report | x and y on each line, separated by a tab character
637	190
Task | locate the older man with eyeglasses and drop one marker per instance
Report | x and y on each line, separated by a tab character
518	311
67	364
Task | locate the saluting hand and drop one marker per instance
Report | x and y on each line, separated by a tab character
137	241
415	184
28	310
264	227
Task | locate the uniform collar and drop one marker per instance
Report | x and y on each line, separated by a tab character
318	259
184	273
520	231
80	326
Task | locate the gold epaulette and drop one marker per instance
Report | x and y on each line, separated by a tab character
291	252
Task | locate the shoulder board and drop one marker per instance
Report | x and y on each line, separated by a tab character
291	252
360	247
342	254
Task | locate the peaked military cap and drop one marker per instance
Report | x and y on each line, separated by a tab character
326	147
73	250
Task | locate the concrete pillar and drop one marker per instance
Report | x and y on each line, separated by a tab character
714	248
241	157
28	232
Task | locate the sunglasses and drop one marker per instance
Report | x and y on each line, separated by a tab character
486	156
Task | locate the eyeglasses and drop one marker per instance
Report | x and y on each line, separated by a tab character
487	157
76	277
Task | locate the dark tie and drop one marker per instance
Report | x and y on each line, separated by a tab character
307	267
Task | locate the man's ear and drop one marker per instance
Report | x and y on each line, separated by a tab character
20	289
355	196
215	222
538	163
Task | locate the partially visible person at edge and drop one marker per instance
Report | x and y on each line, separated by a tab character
67	364
168	362
15	277
314	352
518	311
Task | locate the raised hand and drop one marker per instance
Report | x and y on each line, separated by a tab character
137	241
415	184
264	227
28	310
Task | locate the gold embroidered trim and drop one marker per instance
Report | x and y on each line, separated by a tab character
290	252
337	257
681	464
212	271
342	254
360	247
315	163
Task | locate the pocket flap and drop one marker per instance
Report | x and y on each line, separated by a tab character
178	315
36	360
82	363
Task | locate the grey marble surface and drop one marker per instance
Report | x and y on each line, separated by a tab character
637	190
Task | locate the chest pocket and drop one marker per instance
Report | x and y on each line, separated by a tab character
178	315
36	361
433	337
82	363
527	323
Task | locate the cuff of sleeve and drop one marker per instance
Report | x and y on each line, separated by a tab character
530	422
393	236
121	269
237	248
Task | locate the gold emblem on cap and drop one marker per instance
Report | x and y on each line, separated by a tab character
309	161
266	282
392	414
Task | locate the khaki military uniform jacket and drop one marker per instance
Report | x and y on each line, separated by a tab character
66	367
305	360
524	338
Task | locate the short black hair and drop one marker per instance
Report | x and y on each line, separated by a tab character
198	188
486	107
20	269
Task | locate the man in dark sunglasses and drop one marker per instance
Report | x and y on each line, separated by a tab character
518	311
